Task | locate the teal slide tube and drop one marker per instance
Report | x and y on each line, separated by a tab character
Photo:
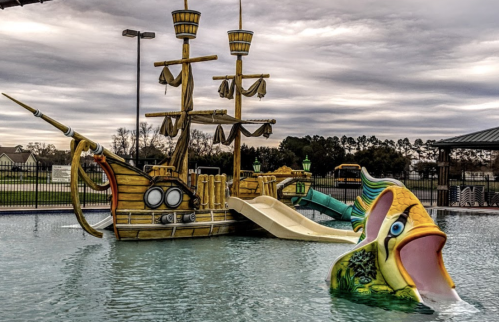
325	204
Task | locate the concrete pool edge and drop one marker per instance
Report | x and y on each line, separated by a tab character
478	210
28	211
48	210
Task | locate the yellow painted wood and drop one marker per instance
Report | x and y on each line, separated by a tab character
141	217
184	232
119	169
141	221
274	186
206	193
200	191
84	176
201	231
261	185
222	191
75	196
185	61
237	141
132	180
243	76
205	218
209	112
131	205
128	233
218	181
155	234
132	189
162	170
131	197
211	192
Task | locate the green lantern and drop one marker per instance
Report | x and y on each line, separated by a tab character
306	164
256	166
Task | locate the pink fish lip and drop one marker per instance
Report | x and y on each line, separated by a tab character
419	260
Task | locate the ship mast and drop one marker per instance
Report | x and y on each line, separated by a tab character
239	42
186	24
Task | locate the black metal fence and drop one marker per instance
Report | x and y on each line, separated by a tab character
424	187
32	185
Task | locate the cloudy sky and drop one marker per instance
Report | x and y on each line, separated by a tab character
417	69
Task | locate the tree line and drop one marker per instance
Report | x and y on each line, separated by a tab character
380	157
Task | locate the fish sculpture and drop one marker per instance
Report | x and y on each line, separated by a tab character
400	250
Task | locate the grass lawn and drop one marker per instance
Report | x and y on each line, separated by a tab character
13	198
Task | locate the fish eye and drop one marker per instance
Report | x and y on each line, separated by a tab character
397	228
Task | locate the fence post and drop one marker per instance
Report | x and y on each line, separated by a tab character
488	190
345	189
36	182
431	190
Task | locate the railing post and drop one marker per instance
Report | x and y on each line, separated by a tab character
36	188
345	189
431	190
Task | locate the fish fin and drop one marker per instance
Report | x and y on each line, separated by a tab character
371	189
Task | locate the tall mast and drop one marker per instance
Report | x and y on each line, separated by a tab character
239	43
186	25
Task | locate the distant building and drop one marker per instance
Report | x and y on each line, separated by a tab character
16	157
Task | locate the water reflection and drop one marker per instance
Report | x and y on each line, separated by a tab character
384	302
53	274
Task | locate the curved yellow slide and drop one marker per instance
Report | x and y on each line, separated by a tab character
284	222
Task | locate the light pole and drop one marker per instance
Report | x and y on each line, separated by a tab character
145	35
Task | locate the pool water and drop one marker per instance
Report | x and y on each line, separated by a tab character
49	273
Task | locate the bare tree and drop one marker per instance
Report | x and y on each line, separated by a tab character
121	141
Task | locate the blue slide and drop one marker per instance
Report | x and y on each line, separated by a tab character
324	204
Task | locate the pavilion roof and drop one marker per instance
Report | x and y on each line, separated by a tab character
485	139
15	3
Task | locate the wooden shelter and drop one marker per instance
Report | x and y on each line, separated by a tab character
484	140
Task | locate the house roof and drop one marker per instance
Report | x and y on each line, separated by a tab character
13	154
486	139
8	150
15	3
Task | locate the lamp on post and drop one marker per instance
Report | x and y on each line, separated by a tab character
256	166
146	35
306	164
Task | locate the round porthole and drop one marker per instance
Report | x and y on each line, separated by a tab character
173	197
154	197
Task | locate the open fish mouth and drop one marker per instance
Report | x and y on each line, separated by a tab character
421	264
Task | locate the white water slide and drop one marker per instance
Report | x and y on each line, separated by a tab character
101	225
284	222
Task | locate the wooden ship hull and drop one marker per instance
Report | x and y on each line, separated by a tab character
140	208
282	184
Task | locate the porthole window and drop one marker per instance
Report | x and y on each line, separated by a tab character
154	197
173	197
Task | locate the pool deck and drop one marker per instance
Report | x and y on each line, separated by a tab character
478	210
51	210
